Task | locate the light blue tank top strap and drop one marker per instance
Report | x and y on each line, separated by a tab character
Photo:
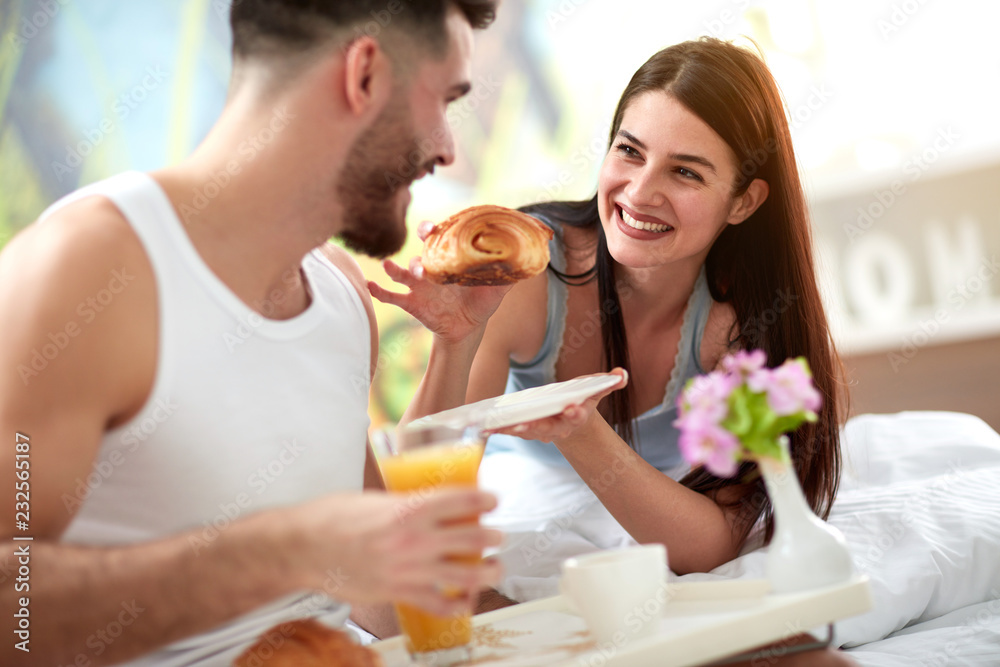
542	369
656	439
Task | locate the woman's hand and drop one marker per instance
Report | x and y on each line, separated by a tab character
450	312
558	427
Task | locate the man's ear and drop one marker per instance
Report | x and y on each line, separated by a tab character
745	205
367	75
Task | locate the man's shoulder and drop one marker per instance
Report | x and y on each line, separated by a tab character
78	275
71	252
343	260
80	233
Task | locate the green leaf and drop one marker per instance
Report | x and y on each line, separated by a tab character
768	447
740	420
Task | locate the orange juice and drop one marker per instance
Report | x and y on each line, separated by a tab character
439	465
451	464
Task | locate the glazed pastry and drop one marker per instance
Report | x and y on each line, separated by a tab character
486	245
307	643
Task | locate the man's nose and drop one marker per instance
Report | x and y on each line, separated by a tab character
445	153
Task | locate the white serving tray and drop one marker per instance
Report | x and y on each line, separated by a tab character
700	623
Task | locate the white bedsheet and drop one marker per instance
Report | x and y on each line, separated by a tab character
919	504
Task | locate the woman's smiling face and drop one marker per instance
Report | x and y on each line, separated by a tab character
665	190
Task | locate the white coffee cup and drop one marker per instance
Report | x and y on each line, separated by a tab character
619	593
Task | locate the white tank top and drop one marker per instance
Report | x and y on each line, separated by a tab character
246	413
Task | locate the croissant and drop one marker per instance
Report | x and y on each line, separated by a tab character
486	245
307	643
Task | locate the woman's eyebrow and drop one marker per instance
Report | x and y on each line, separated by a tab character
680	157
628	135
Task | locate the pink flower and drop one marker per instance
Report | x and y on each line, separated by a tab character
708	396
704	442
757	395
790	390
745	363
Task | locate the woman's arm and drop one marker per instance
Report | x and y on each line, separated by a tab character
476	331
697	532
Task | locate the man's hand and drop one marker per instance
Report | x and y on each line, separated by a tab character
450	312
386	546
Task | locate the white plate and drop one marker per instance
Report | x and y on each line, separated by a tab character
522	406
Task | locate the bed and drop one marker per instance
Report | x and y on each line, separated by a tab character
919	504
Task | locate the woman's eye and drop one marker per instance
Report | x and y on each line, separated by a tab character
627	150
687	173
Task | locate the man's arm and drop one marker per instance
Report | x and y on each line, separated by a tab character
166	589
378	619
49	278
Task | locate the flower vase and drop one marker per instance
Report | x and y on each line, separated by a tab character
805	551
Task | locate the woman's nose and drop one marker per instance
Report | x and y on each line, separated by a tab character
645	189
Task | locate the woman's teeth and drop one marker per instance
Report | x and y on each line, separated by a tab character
646	226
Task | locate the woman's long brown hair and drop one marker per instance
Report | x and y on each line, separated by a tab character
764	267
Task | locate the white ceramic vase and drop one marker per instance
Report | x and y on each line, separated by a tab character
805	552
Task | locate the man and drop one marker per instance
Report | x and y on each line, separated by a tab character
186	375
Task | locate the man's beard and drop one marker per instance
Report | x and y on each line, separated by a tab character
378	166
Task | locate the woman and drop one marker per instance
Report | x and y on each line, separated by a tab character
696	244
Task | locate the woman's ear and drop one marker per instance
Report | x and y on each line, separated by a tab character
367	75
745	205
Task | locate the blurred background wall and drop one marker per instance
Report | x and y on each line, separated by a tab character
893	104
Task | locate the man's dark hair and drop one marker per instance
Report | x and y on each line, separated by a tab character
285	27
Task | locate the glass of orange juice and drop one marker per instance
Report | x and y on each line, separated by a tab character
416	459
